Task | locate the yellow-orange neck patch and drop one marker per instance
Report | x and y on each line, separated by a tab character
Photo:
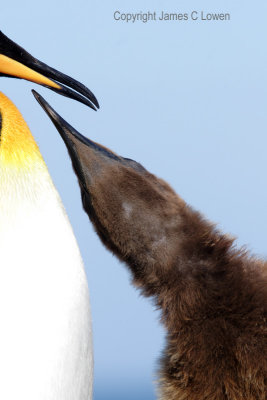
17	145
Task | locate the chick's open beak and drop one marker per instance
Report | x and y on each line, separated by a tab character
16	62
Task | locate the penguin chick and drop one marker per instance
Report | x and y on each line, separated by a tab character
45	335
213	298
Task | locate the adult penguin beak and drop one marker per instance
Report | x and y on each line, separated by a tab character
16	62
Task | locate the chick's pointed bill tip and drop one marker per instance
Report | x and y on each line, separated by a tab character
68	133
61	125
43	103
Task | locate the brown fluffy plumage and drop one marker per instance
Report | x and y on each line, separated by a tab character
213	298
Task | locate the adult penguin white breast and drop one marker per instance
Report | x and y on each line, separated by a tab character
45	323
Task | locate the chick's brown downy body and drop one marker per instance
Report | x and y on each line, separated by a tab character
212	297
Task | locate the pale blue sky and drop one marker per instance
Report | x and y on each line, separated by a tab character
186	99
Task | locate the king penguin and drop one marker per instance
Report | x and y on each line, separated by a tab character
212	296
45	332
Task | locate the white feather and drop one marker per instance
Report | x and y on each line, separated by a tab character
45	326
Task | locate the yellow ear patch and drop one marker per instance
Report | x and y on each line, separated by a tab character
17	145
